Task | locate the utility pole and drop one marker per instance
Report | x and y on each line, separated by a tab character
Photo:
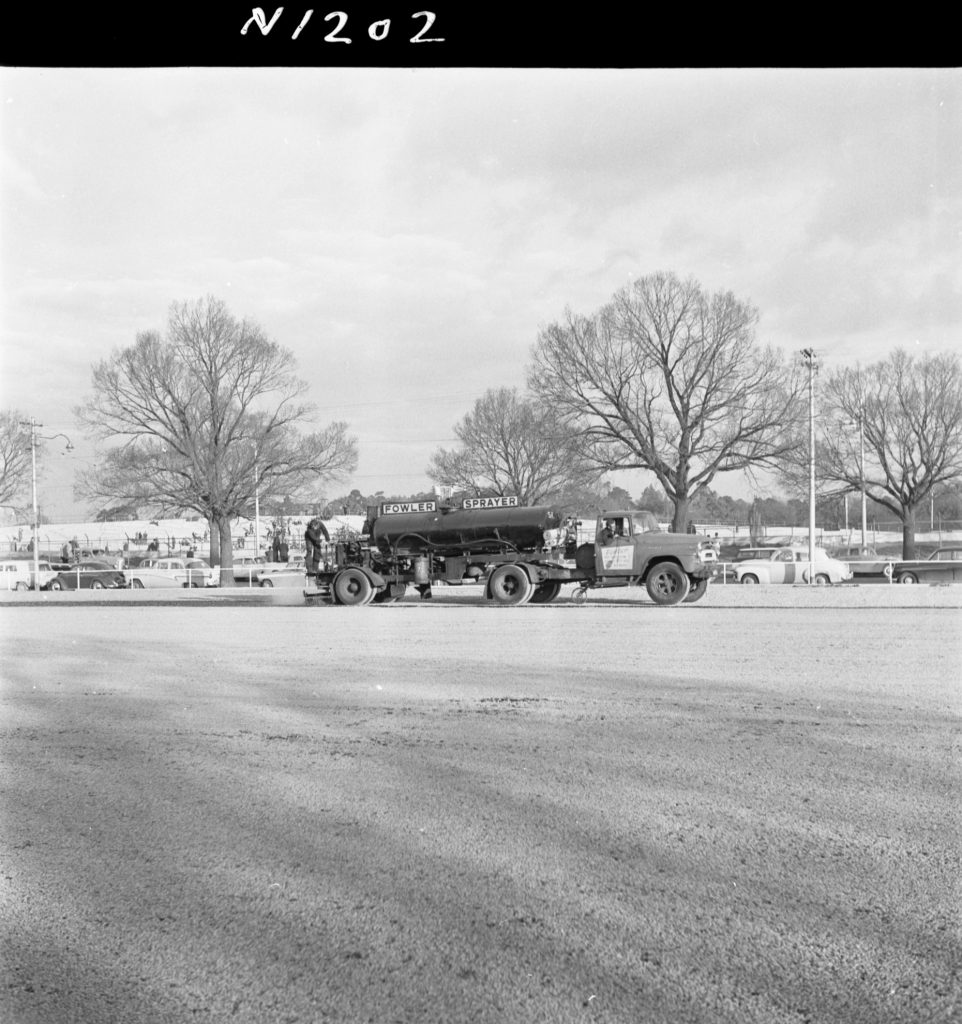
34	438
861	469
811	361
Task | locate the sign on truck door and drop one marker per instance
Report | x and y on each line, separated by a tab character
615	551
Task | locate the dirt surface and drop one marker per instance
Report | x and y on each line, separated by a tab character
446	812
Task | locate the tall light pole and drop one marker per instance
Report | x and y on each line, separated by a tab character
811	360
257	511
861	469
860	423
34	438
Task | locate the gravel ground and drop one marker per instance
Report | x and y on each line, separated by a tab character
744	810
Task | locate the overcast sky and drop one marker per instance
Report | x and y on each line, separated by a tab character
407	232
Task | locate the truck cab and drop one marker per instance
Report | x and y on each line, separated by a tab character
630	548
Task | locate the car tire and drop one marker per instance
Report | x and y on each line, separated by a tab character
749	578
821	580
510	585
96	585
267	584
21	585
667	583
907	577
136	585
55	585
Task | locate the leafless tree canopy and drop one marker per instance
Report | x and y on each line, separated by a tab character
14	459
512	445
911	415
204	417
669	378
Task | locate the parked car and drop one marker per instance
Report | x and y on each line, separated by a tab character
790	565
211	575
247	567
292	576
17	574
171	572
863	561
944	565
90	575
727	568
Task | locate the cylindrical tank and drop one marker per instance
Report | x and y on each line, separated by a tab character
458	530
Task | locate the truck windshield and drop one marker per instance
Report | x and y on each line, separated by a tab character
644	522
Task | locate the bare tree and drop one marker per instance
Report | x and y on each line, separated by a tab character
910	412
515	446
14	458
670	379
207	417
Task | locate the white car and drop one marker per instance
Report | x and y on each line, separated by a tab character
171	572
790	565
17	574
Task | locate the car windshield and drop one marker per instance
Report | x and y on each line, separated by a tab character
755	553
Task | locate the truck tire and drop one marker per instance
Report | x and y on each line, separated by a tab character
352	587
667	583
697	592
509	584
545	592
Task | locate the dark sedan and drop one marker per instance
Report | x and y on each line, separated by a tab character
862	561
89	576
943	566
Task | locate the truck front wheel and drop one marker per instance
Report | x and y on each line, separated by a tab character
667	583
509	584
352	587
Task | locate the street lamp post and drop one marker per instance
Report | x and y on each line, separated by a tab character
34	438
257	514
861	470
811	360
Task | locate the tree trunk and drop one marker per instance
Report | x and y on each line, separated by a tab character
679	521
222	527
908	532
214	552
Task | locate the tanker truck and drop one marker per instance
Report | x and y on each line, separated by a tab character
518	554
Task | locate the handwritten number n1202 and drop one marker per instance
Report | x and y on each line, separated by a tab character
377	30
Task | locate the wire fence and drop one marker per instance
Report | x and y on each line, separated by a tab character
68	542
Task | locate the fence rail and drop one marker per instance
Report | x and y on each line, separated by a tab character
177	536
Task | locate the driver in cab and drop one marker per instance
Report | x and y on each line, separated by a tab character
613	528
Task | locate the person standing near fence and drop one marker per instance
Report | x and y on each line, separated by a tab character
313	535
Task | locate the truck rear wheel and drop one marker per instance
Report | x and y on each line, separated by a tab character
545	592
697	592
667	583
509	584
352	587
